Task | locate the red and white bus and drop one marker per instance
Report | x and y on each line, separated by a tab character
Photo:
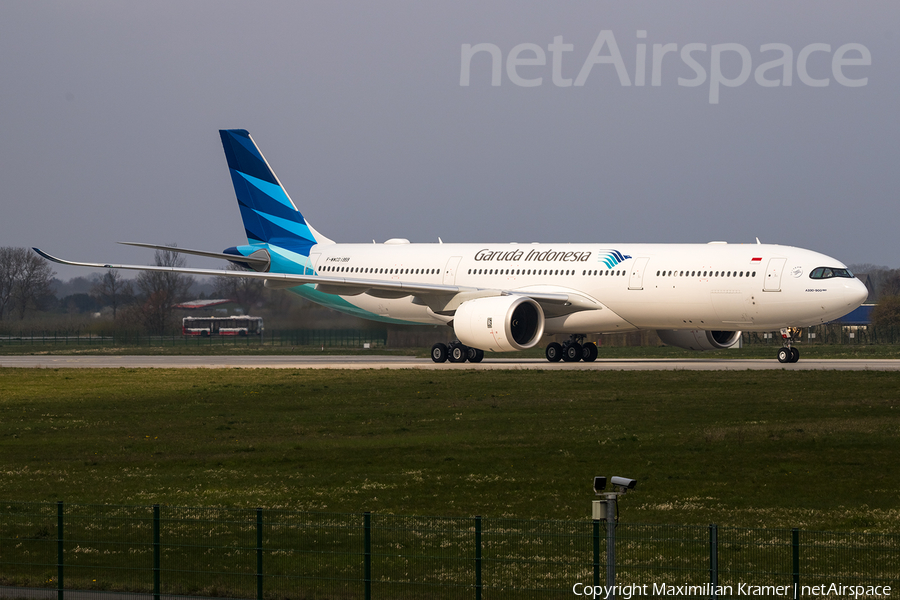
206	326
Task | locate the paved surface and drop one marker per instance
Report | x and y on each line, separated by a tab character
404	362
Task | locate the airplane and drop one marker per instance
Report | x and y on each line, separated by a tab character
502	297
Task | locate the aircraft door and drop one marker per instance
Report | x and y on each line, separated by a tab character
636	281
450	270
773	275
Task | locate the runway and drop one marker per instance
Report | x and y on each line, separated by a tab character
403	362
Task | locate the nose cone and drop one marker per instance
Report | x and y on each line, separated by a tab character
856	293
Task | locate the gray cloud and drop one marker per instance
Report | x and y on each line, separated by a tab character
110	114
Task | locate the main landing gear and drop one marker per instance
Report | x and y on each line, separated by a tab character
455	352
789	354
572	350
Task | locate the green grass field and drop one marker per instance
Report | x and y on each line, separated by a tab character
816	450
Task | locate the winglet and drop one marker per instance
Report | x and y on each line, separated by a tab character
69	262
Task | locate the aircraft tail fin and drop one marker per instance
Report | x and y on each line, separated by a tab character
268	213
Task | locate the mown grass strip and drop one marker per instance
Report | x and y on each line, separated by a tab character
773	449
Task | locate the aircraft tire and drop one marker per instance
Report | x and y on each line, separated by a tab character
785	355
457	353
474	355
439	353
795	355
589	352
553	352
572	352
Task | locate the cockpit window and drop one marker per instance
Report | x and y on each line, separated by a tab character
829	272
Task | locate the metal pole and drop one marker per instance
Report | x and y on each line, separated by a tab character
714	561
259	554
60	557
795	542
611	546
596	553
156	552
477	558
367	556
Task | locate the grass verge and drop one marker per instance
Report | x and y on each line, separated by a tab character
815	450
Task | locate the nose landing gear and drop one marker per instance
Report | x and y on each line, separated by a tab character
789	354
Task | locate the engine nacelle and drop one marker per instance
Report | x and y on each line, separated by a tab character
695	339
499	323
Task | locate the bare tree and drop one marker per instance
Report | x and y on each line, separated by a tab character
112	290
8	276
25	278
246	292
890	284
887	312
162	290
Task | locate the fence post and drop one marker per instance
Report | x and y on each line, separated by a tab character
714	561
156	552
596	553
795	542
367	554
59	551
259	554
478	558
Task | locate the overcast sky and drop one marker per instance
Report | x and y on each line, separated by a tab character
110	112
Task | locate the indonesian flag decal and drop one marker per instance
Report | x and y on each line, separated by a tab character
757	259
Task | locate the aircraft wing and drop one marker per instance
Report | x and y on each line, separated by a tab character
441	298
262	261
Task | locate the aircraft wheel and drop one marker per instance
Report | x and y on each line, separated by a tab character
553	352
439	353
458	353
589	352
474	355
785	355
795	355
572	352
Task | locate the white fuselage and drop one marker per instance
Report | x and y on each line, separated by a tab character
712	286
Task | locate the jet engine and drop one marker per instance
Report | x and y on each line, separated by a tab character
695	339
499	323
